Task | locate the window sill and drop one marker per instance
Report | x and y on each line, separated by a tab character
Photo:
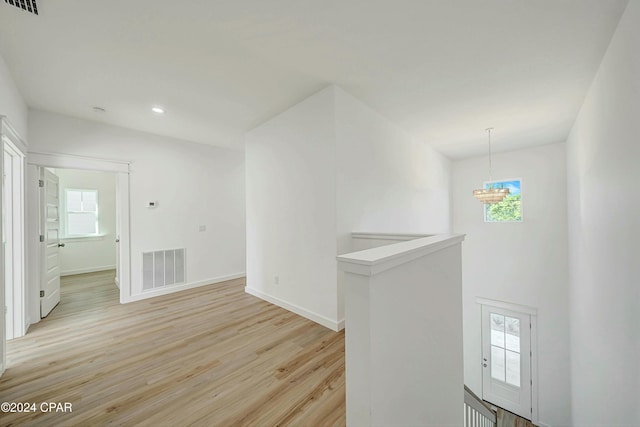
73	239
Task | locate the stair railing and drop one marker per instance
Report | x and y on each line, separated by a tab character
476	412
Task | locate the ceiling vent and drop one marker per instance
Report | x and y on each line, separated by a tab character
28	5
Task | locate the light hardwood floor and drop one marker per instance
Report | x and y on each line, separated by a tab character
208	356
507	419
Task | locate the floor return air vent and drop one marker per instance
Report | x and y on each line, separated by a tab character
163	268
28	5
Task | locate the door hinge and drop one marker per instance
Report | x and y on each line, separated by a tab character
42	237
40	183
41	294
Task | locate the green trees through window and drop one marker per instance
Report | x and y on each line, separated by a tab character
510	208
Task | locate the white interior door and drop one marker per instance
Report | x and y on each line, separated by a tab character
506	360
50	203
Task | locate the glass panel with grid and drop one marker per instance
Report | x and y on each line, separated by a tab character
81	212
505	349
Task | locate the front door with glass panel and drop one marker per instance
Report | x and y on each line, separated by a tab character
506	359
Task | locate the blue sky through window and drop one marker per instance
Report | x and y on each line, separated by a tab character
513	186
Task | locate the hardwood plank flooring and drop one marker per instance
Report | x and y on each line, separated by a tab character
208	356
507	419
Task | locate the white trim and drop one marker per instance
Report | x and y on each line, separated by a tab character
508	306
79	239
123	234
388	236
375	260
13	144
10	133
172	289
315	317
3	316
87	270
534	369
18	250
66	161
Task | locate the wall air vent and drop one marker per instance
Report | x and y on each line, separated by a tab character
163	268
28	5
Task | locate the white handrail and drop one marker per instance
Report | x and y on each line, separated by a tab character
476	412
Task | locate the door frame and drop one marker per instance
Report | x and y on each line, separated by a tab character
533	313
18	303
11	138
121	170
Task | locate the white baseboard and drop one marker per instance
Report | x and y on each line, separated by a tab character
322	320
87	270
178	288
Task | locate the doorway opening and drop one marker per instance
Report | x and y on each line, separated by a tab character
79	218
509	357
79	223
31	232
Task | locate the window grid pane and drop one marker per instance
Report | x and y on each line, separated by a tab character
512	334
497	330
512	368
497	363
505	349
81	223
82	212
510	208
74	201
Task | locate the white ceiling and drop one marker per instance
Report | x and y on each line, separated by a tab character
442	70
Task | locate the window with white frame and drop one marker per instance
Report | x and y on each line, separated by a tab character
81	216
510	208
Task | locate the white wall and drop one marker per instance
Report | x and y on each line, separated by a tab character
324	168
291	209
83	255
194	184
604	235
12	104
523	263
387	181
404	335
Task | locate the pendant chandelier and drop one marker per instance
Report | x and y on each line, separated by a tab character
490	195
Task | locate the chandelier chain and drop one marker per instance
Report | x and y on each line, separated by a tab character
490	166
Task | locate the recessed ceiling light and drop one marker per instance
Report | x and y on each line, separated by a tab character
157	110
99	110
